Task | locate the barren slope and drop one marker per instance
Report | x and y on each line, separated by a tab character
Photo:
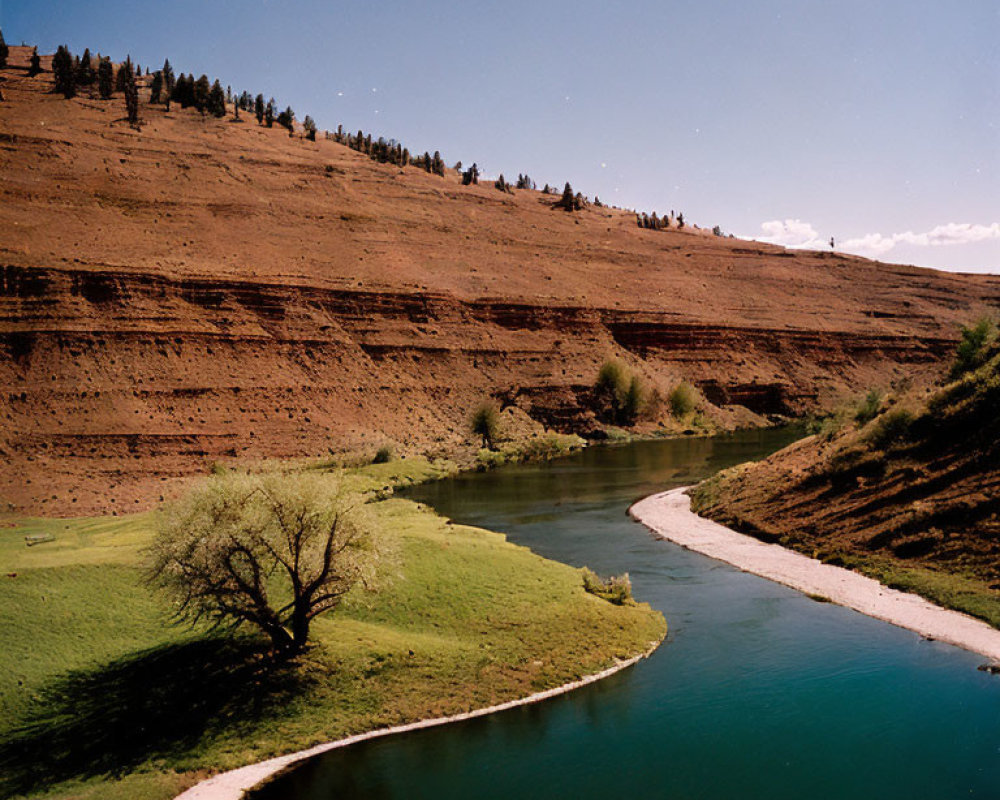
207	289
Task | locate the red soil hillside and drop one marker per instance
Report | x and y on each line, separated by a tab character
208	289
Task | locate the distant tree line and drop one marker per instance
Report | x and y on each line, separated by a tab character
209	98
655	223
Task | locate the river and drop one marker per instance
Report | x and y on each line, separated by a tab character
758	692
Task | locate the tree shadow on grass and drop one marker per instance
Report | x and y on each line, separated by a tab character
157	703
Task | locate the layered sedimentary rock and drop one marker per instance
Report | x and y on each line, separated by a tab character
205	290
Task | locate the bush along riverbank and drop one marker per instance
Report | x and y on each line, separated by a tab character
102	696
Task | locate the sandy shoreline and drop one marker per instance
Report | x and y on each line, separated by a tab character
231	785
669	516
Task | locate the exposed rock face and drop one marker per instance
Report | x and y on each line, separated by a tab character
205	290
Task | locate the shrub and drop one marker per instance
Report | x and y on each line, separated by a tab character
634	402
550	445
867	409
682	399
612	382
889	429
383	455
617	589
485	422
487	459
974	347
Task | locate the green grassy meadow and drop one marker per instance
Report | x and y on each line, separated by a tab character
103	696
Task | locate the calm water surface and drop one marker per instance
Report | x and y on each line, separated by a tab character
758	692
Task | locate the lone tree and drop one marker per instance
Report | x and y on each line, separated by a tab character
269	113
258	108
105	78
485	422
271	551
4	51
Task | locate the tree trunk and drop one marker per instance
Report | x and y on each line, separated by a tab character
281	639
300	627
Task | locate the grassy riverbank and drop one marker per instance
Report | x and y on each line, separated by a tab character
102	697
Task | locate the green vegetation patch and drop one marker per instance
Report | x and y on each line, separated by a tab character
101	696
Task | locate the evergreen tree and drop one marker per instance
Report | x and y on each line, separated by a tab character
427	161
138	71
4	52
259	108
471	176
567	201
131	92
215	103
437	164
269	113
547	189
85	71
36	63
123	74
180	92
168	82
62	69
680	220
201	90
105	78
286	119
156	87
309	126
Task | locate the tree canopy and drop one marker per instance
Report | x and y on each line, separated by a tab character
273	551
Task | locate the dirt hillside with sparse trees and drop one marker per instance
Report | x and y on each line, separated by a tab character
190	287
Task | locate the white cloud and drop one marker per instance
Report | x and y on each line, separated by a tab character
790	233
796	233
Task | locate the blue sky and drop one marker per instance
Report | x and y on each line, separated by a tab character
877	122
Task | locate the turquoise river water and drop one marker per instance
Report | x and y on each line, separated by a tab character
758	692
